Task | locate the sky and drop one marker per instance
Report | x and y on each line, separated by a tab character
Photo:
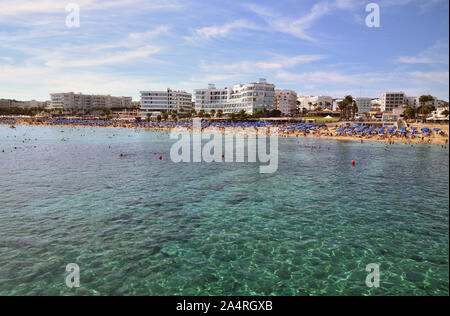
314	47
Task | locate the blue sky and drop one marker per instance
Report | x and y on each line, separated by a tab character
312	47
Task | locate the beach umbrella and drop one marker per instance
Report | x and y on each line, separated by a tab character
437	129
425	129
392	130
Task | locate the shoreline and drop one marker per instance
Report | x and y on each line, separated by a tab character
324	134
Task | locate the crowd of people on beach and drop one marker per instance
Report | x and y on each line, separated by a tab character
389	134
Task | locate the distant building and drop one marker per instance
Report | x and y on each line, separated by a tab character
286	101
363	104
392	100
438	115
72	100
249	97
5	103
8	103
412	102
336	104
156	102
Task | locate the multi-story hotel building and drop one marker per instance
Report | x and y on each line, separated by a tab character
156	102
71	100
392	100
363	104
249	97
286	101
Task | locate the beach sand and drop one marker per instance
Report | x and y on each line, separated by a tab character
328	133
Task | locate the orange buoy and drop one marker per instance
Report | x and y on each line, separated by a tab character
223	156
353	163
160	157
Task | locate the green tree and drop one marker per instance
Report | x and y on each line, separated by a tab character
423	100
275	113
242	115
201	113
165	116
445	113
354	109
219	113
342	107
409	113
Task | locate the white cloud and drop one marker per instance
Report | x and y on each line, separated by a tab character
439	77
436	54
299	27
134	55
28	7
333	77
210	32
276	63
142	36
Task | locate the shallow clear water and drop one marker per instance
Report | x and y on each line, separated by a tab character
140	226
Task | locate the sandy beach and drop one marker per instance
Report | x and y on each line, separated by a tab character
283	130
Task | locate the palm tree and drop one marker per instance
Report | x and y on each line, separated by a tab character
424	99
219	113
242	114
354	109
342	107
349	102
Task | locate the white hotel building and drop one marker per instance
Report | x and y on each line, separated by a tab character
286	101
72	100
156	102
392	100
249	97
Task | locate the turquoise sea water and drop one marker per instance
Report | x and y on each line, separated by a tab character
137	225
